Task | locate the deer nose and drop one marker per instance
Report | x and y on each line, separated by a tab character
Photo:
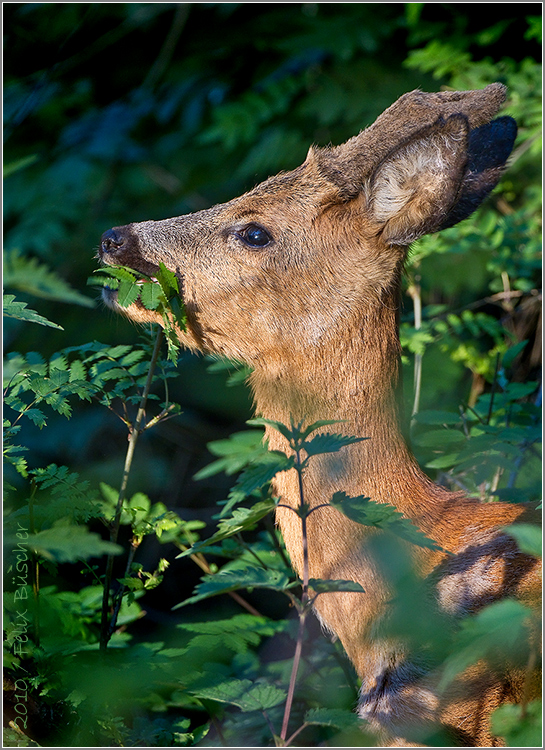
111	241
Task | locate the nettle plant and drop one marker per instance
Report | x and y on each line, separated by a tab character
213	677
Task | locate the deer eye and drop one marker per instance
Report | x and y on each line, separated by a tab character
255	236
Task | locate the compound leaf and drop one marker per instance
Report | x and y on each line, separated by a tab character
66	543
20	311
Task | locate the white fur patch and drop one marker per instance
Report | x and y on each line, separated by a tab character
415	170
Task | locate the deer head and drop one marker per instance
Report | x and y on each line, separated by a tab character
284	267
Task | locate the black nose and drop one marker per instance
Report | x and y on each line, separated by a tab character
111	241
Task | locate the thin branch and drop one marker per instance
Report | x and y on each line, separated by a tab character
161	417
467	406
414	291
294	735
244	604
269	722
303	606
293	677
277	545
493	389
248	548
106	626
167	50
201	561
118	599
317	507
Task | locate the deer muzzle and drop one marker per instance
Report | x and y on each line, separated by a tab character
120	246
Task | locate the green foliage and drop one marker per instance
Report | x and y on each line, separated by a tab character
487	447
521	726
19	311
204	101
493	634
91	371
244	695
527	537
381	515
66	543
161	293
238	451
232	580
242	519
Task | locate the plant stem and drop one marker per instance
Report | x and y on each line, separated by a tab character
294	735
118	598
106	628
278	547
293	677
493	390
414	292
303	606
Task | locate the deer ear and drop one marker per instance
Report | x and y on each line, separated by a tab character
488	150
438	177
413	189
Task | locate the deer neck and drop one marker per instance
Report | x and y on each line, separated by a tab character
353	377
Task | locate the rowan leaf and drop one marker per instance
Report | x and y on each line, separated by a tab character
20	311
127	293
29	275
168	281
151	295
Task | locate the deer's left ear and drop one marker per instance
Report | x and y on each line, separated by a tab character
438	177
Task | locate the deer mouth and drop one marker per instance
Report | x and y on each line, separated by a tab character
110	294
130	297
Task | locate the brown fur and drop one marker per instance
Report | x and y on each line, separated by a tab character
315	312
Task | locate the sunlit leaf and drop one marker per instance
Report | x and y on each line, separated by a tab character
240	520
329	442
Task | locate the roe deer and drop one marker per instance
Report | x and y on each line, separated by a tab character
300	278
